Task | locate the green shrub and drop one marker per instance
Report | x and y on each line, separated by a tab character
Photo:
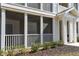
4	53
52	44
10	53
60	43
1	52
13	52
77	39
24	50
55	44
34	47
46	45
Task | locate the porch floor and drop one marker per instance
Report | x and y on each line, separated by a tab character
73	44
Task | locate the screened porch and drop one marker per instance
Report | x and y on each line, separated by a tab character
39	30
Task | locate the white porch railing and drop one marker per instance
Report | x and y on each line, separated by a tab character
17	40
47	37
36	38
33	38
14	41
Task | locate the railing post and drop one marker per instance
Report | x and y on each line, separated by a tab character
3	22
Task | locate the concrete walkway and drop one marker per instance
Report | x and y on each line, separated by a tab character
73	44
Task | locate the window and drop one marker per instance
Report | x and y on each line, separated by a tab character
64	4
20	3
34	5
76	5
47	6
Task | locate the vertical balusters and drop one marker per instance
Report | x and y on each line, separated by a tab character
12	41
9	42
5	42
16	41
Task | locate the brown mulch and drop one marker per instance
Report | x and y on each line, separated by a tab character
58	51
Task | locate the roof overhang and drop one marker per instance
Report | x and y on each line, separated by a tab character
72	11
28	10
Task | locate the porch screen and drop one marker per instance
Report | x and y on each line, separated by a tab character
47	30
33	30
9	29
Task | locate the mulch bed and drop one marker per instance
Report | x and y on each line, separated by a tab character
58	51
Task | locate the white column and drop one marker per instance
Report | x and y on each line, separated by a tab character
41	29
3	23
71	31
25	29
75	32
55	23
64	30
41	25
55	30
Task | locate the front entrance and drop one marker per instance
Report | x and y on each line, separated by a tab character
70	33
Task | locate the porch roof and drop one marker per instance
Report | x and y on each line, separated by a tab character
28	10
72	11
